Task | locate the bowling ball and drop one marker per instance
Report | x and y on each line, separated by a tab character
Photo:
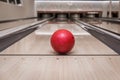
62	41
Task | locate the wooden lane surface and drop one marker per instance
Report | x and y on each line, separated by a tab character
60	68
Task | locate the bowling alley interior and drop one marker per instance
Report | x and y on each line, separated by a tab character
59	39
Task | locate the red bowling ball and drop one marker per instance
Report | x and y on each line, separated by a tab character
62	41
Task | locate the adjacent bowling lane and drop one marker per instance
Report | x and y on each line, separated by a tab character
38	42
115	27
8	25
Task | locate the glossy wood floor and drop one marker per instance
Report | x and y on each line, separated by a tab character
60	68
56	67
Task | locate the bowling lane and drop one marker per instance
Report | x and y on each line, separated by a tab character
17	23
59	68
115	27
38	42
